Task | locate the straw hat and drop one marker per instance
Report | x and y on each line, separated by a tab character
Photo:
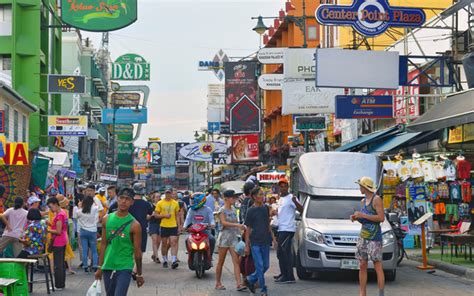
367	183
63	201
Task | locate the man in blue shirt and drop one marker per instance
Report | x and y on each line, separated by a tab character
199	213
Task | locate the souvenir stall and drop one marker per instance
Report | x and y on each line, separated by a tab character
438	184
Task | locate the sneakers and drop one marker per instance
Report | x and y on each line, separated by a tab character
284	281
175	265
165	264
277	276
251	287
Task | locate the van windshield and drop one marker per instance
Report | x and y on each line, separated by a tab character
332	208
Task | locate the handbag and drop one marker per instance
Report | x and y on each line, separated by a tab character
247	266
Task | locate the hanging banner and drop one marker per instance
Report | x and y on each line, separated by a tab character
302	97
370	17
240	81
202	151
271	55
14	153
270	81
456	135
131	67
98	16
66	84
299	63
245	148
356	107
67	126
154	146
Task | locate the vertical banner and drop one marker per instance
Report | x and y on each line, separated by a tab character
154	146
245	148
125	152
240	81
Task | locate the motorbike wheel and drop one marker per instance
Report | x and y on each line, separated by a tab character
400	254
199	265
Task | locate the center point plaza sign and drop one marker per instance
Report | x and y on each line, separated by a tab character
99	16
370	17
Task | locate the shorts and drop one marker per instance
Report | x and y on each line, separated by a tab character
153	228
167	232
369	250
440	208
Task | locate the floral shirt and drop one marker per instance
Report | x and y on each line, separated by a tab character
35	236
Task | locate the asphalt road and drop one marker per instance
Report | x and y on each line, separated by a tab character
160	281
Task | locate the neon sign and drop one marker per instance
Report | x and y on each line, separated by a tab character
370	17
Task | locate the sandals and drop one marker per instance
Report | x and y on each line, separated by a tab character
155	259
241	288
220	288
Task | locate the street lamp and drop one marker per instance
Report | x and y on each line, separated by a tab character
260	28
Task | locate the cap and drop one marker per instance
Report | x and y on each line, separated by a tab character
229	193
33	199
127	192
139	189
367	183
283	180
168	190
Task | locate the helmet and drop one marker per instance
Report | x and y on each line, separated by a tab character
199	200
139	189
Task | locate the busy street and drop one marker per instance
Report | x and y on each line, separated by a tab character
236	147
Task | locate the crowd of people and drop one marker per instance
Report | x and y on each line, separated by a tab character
111	228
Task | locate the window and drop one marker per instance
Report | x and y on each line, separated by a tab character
312	33
23	129
15	126
5	63
5	20
7	120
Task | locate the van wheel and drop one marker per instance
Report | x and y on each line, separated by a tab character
390	275
300	271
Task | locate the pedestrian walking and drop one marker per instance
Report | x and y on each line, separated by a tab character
59	241
120	248
369	246
154	229
228	238
87	218
34	239
15	220
167	210
288	205
111	198
258	239
247	201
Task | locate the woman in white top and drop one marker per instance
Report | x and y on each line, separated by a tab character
87	218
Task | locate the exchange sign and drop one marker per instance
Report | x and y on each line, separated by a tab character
356	107
370	17
131	67
99	16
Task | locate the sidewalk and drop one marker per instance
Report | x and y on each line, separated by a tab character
448	264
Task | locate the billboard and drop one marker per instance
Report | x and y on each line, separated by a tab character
245	117
202	151
270	81
310	123
302	97
370	18
245	148
343	68
356	107
240	81
67	126
99	16
273	55
124	116
216	65
66	84
131	67
299	63
154	146
125	99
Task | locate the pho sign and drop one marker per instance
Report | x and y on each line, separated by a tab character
370	17
131	67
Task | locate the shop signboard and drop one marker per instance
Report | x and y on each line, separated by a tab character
14	153
67	126
245	117
245	148
469	132
456	135
310	123
2	121
370	17
108	177
216	103
302	97
270	177
216	65
131	67
270	81
299	63
98	16
154	146
125	154
342	68
124	116
240	81
220	158
271	55
296	150
202	151
125	99
178	147
357	107
123	129
66	84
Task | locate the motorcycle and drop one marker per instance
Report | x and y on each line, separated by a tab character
199	250
400	234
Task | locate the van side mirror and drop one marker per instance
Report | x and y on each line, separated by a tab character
392	217
298	216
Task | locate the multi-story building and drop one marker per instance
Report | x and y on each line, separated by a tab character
30	48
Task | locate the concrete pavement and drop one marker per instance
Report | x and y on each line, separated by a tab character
160	281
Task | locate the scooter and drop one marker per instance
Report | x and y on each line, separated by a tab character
199	250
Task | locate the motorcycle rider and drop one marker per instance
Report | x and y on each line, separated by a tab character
199	213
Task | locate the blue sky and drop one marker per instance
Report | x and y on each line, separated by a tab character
174	36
